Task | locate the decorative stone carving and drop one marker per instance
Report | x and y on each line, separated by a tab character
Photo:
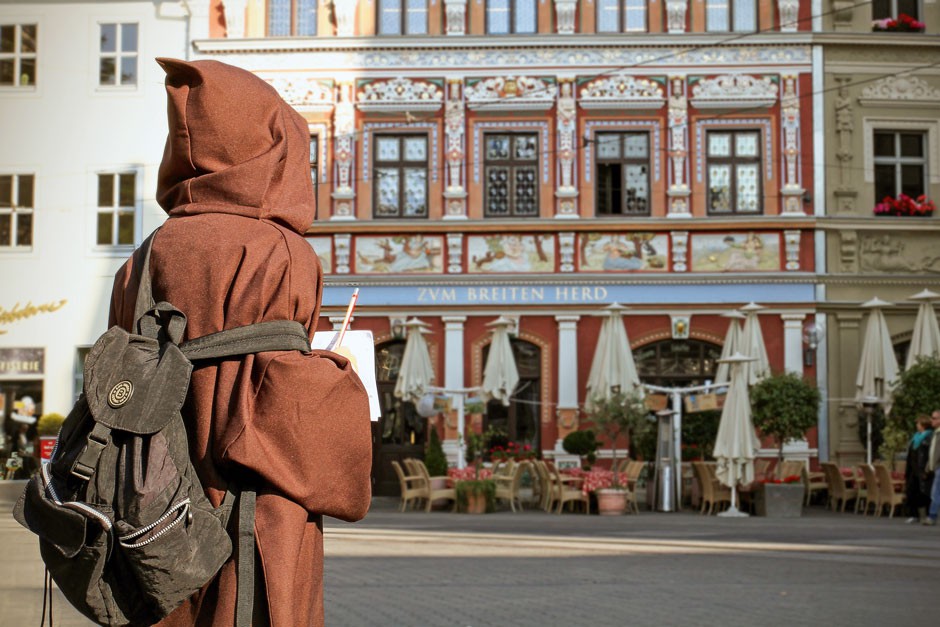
680	249
344	120
848	251
400	94
564	16
345	12
455	253
456	12
622	92
845	124
511	93
896	91
675	15
842	13
678	191
791	241
234	18
304	93
899	252
734	91
566	251
341	250
455	134
789	14
566	118
790	121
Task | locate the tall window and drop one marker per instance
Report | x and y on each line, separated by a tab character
117	63
900	164
314	161
17	55
401	176
623	185
511	169
16	210
880	9
394	19
734	173
731	15
615	16
288	18
116	208
504	17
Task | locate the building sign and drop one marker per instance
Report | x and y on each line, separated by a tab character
568	294
22	361
9	316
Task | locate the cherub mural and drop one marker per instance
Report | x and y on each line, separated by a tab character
620	252
511	253
399	254
736	252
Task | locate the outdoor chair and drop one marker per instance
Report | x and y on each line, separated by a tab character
567	492
762	467
508	483
431	493
714	494
791	467
839	490
813	483
886	494
412	486
869	492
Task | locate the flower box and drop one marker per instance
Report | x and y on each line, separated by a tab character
903	24
904	205
779	500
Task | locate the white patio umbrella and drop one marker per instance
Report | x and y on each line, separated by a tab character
878	367
733	344
736	444
926	339
500	374
752	345
613	368
416	372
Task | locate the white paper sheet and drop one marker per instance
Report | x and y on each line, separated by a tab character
361	347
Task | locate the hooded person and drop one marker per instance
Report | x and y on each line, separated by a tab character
235	182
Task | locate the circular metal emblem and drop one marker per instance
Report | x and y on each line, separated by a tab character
120	393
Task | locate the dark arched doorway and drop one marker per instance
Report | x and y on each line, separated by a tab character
400	432
520	420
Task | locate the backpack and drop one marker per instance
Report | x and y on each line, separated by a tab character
125	528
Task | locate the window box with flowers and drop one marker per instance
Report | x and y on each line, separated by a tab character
779	498
904	205
903	24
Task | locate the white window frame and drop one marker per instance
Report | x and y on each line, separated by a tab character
18	55
513	9
293	27
406	12
15	210
733	11
118	55
624	8
893	11
925	125
116	208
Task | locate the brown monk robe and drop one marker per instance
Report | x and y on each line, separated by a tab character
235	181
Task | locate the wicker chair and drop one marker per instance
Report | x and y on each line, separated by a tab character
430	493
813	482
508	482
868	494
567	492
714	494
839	490
411	486
886	494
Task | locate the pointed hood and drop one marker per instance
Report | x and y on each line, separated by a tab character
233	146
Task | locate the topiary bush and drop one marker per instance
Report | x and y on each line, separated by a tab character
784	407
434	457
917	392
582	443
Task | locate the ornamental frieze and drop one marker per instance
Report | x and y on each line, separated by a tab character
400	94
304	94
622	92
508	93
734	90
900	90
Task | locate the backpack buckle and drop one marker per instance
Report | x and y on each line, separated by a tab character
87	461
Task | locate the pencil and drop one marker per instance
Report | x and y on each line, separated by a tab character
349	310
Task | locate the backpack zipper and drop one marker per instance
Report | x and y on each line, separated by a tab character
182	508
83	507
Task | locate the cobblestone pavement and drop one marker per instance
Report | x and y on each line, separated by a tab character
531	568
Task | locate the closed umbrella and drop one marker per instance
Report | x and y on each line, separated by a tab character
926	339
878	368
752	345
416	372
733	344
737	443
500	374
613	368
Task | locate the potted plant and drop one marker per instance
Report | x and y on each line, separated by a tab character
436	462
784	406
582	443
48	430
775	497
617	415
475	496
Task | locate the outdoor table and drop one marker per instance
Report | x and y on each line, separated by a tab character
595	479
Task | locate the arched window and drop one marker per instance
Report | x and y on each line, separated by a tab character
677	363
520	420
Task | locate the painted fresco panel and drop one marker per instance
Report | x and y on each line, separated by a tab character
399	254
735	252
623	252
323	246
511	253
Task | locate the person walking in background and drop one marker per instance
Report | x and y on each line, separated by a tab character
933	466
917	481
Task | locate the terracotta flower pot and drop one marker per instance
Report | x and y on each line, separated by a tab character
476	503
611	502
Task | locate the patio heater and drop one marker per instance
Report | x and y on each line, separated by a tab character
667	467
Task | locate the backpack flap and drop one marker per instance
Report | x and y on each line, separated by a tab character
60	526
134	384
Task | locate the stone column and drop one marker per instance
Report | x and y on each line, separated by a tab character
845	192
453	379
567	377
790	121
456	16
344	146
566	128
678	191
789	13
793	342
234	18
848	447
345	12
564	16
455	193
675	15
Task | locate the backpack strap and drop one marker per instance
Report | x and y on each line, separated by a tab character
274	335
245	568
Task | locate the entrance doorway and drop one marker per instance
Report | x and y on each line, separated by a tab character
400	432
520	420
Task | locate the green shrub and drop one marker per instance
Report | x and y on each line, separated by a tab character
784	407
582	443
476	486
434	458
